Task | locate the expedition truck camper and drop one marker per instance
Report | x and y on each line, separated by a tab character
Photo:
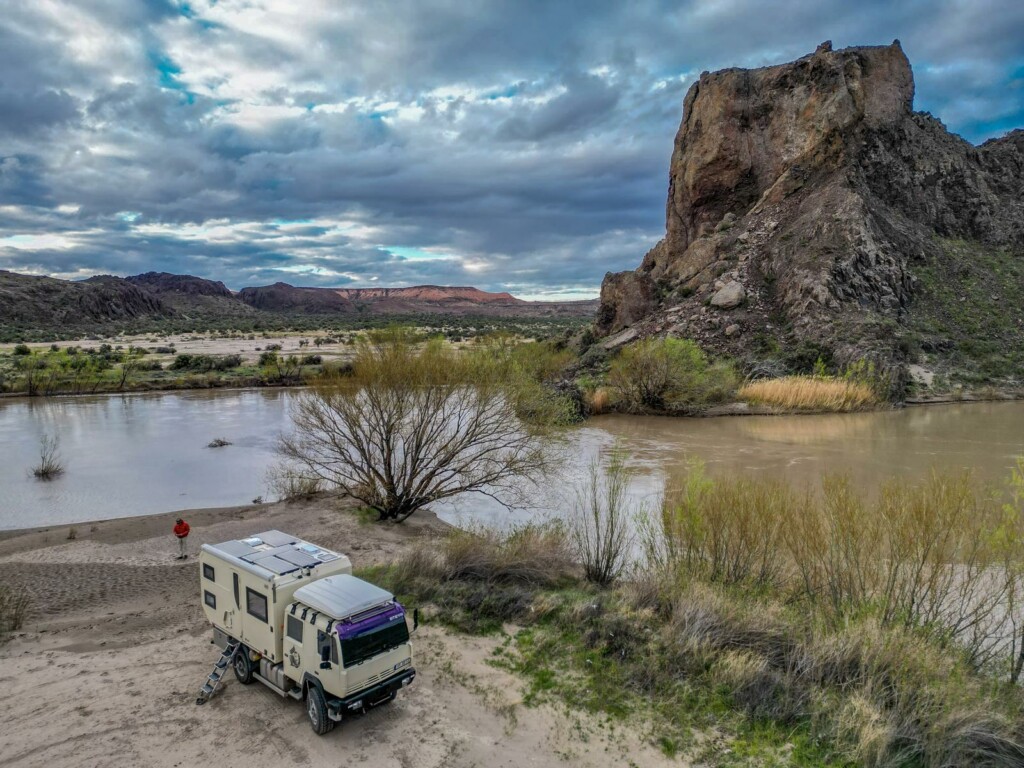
291	614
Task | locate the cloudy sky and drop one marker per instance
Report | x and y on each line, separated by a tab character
514	145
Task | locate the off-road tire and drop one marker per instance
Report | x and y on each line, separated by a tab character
243	666
316	711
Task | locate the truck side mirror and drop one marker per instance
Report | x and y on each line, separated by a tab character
415	619
325	665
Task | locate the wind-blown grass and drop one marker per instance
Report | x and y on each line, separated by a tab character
810	393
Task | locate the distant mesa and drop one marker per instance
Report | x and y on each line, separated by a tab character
30	302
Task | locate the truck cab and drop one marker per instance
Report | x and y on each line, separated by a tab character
290	614
349	639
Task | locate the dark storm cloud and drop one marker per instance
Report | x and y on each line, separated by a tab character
508	144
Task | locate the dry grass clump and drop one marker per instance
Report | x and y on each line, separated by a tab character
531	555
810	393
289	484
14	607
598	401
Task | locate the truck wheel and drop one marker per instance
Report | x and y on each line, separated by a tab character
243	666
316	709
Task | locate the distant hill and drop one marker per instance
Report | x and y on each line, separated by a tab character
30	301
430	294
36	305
281	297
165	282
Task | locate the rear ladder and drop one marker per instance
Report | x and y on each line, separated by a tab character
219	670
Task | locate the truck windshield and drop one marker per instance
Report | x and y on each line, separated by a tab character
377	640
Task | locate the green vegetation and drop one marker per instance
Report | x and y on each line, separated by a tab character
967	317
454	328
74	370
793	628
668	375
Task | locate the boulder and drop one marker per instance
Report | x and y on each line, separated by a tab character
729	296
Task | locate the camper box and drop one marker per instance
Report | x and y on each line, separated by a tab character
247	584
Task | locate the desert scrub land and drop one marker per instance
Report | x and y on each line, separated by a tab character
760	625
74	370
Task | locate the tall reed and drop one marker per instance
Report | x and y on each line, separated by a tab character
810	393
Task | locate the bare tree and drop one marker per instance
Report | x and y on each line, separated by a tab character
602	523
417	423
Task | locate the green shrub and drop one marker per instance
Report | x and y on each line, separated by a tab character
21	349
668	374
205	363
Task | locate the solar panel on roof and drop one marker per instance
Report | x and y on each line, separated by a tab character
236	548
299	558
276	565
276	538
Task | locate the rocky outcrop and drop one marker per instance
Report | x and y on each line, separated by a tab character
189	285
805	202
32	301
282	297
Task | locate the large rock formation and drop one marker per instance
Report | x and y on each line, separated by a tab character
31	301
815	194
165	282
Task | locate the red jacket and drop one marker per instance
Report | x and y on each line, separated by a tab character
181	529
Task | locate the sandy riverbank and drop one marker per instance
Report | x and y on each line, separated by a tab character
106	670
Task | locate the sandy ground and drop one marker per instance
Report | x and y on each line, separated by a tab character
106	671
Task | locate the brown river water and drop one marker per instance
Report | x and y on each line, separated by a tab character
146	453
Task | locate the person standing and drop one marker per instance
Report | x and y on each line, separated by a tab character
181	530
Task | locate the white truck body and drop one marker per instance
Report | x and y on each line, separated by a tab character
306	627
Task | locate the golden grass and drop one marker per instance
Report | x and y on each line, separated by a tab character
810	393
598	401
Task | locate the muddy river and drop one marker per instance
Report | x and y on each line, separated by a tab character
147	453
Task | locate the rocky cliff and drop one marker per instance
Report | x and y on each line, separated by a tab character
27	300
189	285
812	213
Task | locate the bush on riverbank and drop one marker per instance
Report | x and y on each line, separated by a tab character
810	393
668	374
799	629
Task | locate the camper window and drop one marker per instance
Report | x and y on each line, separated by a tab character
295	629
256	604
210	599
208	572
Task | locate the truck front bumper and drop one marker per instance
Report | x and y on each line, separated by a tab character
370	697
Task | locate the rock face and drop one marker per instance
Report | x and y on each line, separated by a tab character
282	297
165	282
815	191
27	300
